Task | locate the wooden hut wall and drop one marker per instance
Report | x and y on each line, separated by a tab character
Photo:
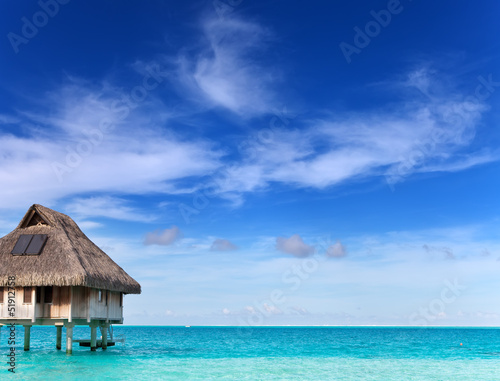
59	308
102	309
80	302
115	310
81	299
22	310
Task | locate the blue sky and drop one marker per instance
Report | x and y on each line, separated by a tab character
265	162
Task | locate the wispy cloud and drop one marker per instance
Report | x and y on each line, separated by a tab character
223	245
227	70
446	251
140	154
82	146
88	225
379	269
422	134
8	119
106	206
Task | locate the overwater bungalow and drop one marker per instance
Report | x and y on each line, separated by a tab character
52	274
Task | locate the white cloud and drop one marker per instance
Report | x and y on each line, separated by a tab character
422	134
446	251
272	309
336	250
294	245
8	119
88	225
299	310
163	237
420	79
223	245
228	70
249	309
67	153
380	271
106	206
71	152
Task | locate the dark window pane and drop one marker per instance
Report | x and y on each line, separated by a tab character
27	295
22	244
38	294
36	244
48	295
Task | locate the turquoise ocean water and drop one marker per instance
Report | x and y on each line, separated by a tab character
264	353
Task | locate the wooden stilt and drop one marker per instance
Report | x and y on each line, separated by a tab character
27	331
105	337
58	337
93	334
69	338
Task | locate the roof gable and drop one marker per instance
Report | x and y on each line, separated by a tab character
33	217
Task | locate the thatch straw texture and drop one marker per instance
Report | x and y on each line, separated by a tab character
69	258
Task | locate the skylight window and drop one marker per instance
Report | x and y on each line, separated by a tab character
29	244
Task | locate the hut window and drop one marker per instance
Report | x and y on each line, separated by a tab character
107	293
47	297
29	244
27	295
38	294
1	294
100	296
121	299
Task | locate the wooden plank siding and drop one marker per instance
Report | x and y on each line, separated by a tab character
79	305
22	310
59	308
108	308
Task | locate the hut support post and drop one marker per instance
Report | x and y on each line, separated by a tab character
33	297
105	336
70	313
58	337
27	332
93	336
69	338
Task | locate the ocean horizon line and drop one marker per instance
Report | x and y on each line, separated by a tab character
304	326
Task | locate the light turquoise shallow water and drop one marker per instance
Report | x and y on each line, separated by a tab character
265	353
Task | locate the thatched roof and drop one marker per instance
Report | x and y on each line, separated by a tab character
68	258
